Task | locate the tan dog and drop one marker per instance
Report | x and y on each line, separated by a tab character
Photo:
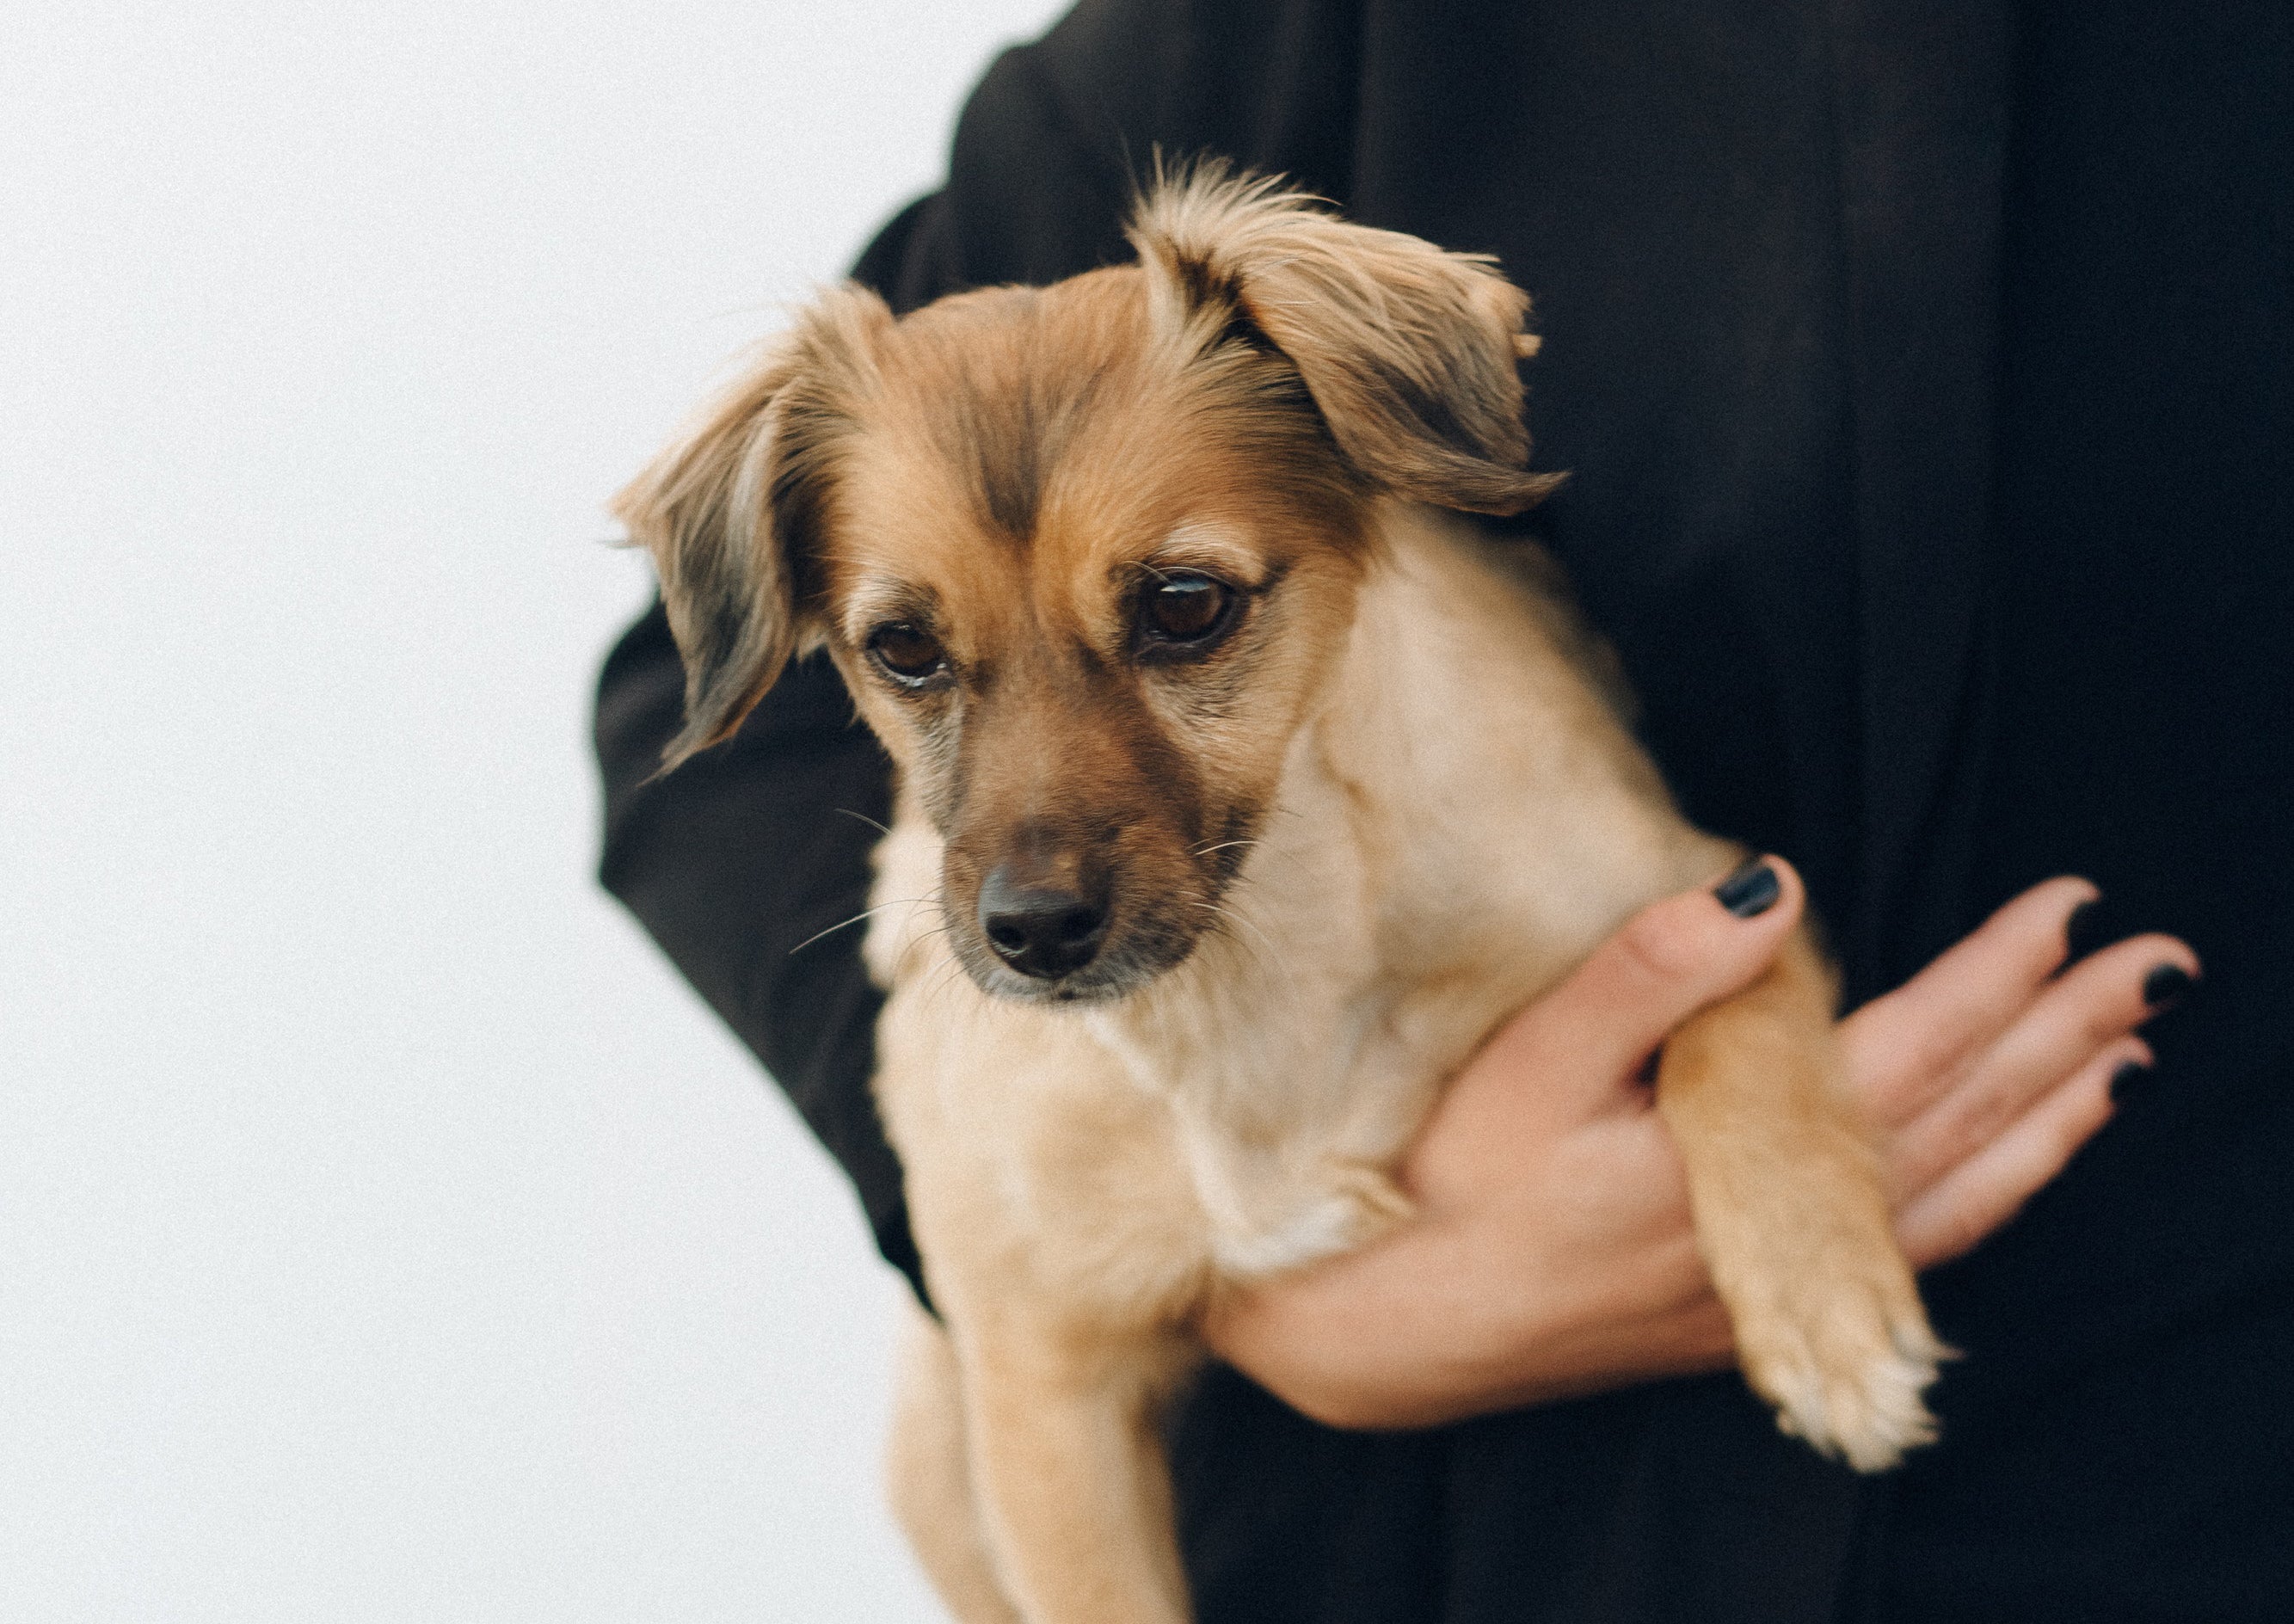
1242	791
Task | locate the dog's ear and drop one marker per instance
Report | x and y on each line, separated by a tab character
731	511
1408	350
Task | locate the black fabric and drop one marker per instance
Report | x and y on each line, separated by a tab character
1922	371
737	862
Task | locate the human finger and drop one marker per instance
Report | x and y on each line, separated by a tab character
1660	967
1908	1047
2086	1009
1989	1188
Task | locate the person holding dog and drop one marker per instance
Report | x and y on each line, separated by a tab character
1923	374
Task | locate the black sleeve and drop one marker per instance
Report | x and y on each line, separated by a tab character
738	857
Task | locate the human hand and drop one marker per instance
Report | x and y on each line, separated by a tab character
1551	1253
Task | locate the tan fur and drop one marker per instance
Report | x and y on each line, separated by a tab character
928	1468
1829	1327
1392	805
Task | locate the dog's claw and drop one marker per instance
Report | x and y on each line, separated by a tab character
1850	1382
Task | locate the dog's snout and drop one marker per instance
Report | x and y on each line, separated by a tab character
1040	929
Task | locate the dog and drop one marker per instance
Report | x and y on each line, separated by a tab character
1244	787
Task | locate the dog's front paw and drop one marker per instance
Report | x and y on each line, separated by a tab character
1846	1367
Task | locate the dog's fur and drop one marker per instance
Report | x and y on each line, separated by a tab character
1331	848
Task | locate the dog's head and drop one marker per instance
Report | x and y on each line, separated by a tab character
1085	553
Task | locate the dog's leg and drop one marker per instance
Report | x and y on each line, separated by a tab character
928	1471
1792	1221
1074	1488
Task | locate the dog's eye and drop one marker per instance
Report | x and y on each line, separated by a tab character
1184	611
912	654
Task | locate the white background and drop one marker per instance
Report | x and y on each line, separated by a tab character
385	1233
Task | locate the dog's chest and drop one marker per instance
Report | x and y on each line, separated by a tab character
1290	1133
1279	1073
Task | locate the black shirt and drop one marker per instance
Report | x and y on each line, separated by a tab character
1922	371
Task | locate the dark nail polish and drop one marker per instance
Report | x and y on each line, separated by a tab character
2165	986
2082	930
2126	1078
1751	889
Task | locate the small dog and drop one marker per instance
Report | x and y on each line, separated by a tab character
1243	789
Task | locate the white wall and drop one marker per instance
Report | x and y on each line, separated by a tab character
385	1233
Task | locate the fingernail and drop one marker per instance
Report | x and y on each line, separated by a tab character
2083	929
1751	889
2126	1078
2165	986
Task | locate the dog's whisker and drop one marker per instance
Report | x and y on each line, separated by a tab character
1243	876
863	817
950	973
1278	960
1264	965
855	919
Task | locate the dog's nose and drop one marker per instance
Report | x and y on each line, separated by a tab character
1039	930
